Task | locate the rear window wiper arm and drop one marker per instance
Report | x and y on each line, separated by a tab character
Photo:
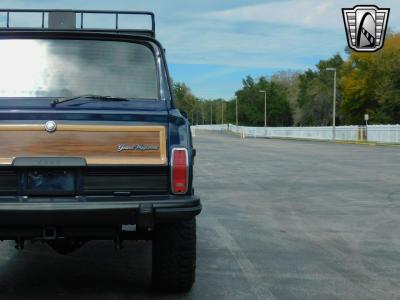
95	97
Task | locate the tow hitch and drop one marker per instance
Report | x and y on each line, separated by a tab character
49	233
145	218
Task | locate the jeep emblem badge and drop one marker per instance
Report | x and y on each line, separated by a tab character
50	126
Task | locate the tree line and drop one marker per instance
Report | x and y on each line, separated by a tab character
367	83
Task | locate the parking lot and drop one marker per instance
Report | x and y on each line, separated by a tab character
281	220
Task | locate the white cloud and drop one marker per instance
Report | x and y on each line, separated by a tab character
266	49
303	13
278	34
237	35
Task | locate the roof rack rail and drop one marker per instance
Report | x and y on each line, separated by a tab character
56	18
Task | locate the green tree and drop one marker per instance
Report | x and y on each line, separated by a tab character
185	100
251	103
371	84
315	93
290	80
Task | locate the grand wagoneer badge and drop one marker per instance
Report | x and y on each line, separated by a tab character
138	147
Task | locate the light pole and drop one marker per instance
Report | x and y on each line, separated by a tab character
334	104
265	106
222	112
211	113
237	117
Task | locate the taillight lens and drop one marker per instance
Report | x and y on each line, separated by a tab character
179	170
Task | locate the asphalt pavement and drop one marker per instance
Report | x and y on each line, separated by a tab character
281	220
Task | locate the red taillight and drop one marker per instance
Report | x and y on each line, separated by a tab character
179	165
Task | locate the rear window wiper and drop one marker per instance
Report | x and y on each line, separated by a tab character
94	97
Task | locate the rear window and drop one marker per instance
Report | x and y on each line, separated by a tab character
66	68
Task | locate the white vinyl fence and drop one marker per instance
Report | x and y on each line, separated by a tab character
372	133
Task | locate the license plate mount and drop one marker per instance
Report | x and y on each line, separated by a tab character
49	182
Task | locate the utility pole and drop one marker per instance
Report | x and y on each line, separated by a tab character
222	113
211	114
265	106
334	104
237	117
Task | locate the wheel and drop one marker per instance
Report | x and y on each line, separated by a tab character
174	256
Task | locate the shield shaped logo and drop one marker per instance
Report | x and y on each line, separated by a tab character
365	27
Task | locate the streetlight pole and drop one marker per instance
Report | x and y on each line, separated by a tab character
265	106
211	113
222	112
334	104
237	117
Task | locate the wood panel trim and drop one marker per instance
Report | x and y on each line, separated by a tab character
100	128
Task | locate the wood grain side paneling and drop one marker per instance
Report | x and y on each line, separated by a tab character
98	144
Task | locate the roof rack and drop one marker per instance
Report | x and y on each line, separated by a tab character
72	17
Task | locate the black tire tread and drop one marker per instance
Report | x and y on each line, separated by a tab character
174	256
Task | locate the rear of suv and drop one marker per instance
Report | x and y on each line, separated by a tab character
92	146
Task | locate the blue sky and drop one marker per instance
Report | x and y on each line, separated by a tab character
213	44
